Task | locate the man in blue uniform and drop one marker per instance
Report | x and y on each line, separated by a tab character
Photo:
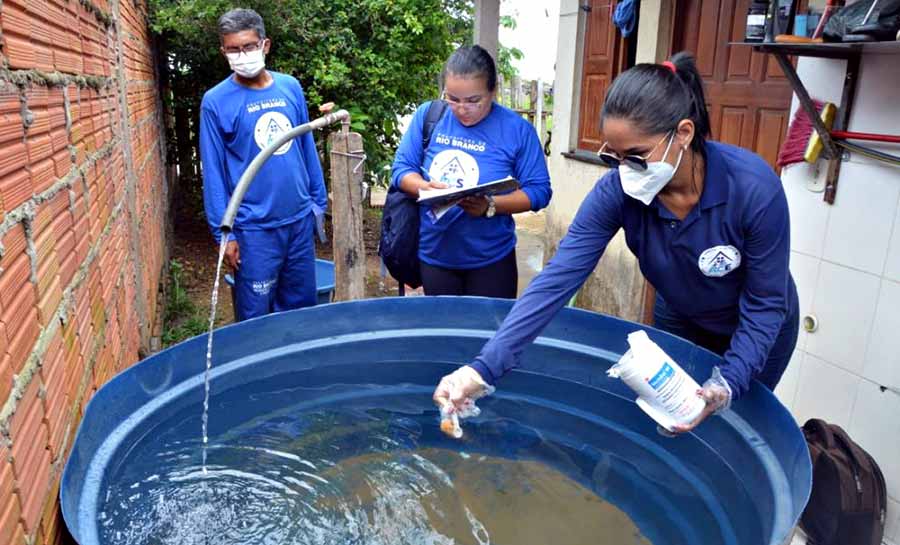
271	248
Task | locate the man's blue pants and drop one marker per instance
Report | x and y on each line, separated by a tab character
277	270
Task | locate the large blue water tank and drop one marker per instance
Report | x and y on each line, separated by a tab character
748	470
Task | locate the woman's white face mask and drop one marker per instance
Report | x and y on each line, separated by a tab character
643	185
247	65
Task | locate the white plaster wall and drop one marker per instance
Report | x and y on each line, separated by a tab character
845	257
846	261
616	285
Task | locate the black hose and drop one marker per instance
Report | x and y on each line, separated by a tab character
869	152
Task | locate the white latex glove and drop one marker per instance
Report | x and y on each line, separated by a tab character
716	393
456	394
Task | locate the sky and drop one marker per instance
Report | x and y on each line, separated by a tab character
535	35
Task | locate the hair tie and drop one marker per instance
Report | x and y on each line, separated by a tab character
671	66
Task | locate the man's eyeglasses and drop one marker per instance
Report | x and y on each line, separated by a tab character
637	162
246	48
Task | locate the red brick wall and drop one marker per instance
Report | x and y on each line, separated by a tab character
83	206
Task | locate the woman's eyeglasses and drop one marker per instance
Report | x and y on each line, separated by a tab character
637	162
469	104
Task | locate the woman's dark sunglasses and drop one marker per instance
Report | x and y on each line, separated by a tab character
637	162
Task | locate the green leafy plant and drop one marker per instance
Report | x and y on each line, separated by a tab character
182	317
506	55
378	59
178	303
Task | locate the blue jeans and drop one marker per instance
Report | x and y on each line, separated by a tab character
667	319
277	270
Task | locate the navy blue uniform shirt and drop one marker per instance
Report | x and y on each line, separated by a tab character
724	267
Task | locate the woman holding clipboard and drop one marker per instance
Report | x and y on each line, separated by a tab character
470	248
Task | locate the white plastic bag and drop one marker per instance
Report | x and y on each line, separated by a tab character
665	391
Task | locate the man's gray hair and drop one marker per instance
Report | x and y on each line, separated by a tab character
240	19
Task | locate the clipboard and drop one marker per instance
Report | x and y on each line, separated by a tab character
439	198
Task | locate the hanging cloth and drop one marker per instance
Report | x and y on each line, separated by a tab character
625	16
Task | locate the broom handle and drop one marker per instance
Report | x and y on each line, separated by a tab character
829	8
845	135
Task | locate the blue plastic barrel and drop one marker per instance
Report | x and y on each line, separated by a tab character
324	282
741	478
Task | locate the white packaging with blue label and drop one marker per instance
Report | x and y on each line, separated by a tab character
665	391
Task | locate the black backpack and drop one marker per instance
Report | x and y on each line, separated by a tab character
399	244
849	498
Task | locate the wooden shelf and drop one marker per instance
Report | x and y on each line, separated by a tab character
852	52
829	50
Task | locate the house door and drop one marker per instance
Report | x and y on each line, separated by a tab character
605	56
749	99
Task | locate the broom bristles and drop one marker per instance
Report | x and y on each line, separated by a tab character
794	146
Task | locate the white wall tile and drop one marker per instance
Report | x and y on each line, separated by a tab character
883	356
861	220
809	213
892	267
875	108
875	425
824	391
844	304
892	524
825	76
805	271
786	391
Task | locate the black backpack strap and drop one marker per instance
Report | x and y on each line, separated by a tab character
435	112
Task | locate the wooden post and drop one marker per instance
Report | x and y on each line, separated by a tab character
516	92
347	172
487	25
537	106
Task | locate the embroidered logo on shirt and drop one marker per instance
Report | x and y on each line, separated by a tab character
719	260
455	168
270	126
262	287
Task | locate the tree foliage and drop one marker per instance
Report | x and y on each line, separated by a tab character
506	55
376	58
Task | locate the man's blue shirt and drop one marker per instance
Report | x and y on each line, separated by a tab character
236	123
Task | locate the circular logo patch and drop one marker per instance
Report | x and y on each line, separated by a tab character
719	260
270	126
455	168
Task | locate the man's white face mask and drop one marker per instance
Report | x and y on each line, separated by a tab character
643	185
247	65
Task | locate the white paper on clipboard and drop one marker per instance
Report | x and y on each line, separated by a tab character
442	200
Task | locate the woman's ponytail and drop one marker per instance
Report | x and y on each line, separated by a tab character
656	97
686	70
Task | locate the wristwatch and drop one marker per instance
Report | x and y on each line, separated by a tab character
491	209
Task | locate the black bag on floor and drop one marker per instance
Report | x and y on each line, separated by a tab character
849	498
399	244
